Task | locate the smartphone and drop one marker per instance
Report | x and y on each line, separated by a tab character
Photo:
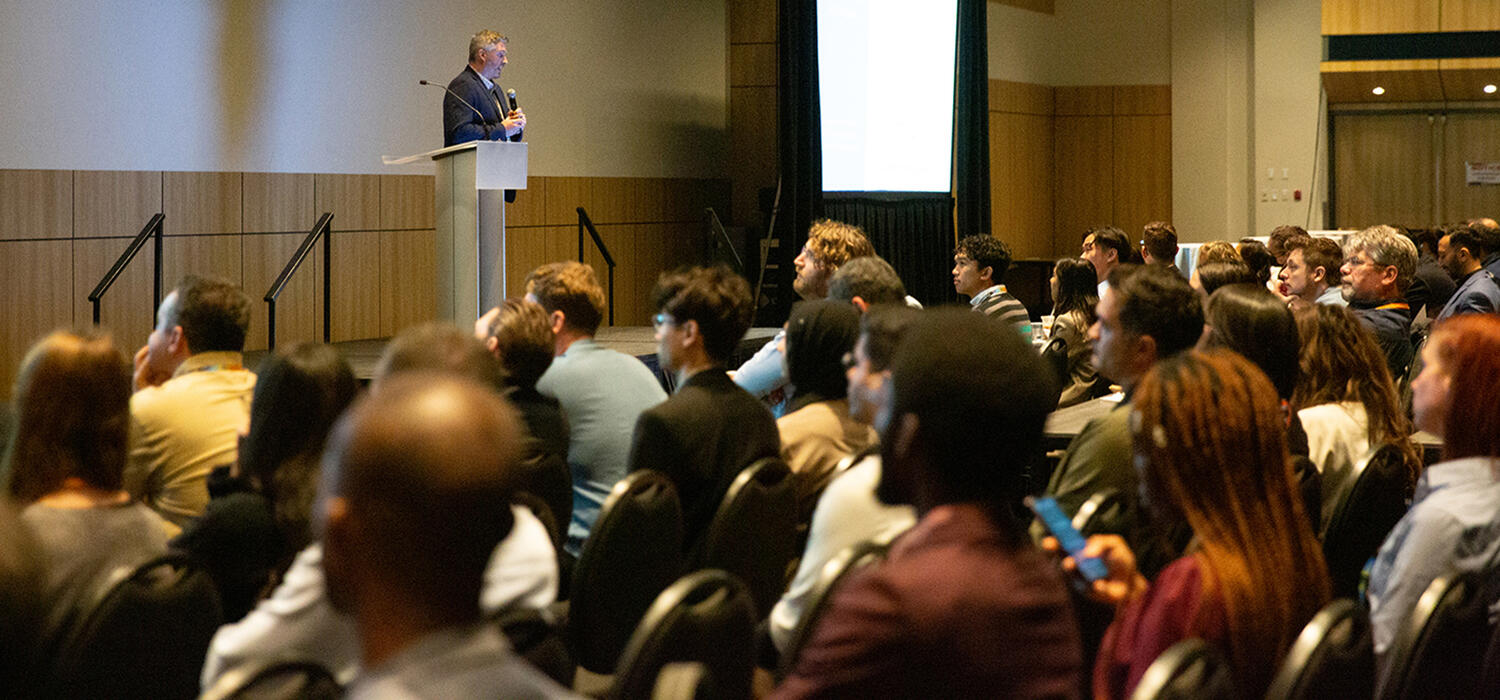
1071	540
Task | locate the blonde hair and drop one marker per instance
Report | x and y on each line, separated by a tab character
572	288
834	243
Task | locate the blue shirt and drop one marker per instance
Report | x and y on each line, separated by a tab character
765	372
603	392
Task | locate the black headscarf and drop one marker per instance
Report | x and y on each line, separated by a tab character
818	335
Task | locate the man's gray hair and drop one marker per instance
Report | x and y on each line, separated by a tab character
1386	247
484	40
870	278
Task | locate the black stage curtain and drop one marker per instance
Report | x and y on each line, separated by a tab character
801	148
914	235
971	128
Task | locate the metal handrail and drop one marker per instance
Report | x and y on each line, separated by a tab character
322	228
716	228
152	228
584	223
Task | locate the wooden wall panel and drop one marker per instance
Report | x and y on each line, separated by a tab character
621	240
752	147
299	309
353	199
36	204
406	202
752	21
278	202
1380	16
1083	155
1382	170
219	256
525	250
114	203
126	309
1142	171
1143	99
684	199
752	65
1084	100
408	279
1021	98
1470	16
530	207
1043	6
1473	137
355	285
201	203
1021	182
1464	78
1404	81
37	283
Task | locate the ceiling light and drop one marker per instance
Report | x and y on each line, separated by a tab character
1489	89
1378	90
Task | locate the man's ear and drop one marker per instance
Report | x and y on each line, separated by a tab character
492	344
987	274
1145	352
691	332
1390	275
1318	273
177	342
559	319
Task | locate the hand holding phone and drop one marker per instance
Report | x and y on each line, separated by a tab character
1068	537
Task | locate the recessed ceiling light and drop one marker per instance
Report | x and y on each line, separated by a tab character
1378	90
1489	89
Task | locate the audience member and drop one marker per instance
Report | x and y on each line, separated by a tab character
710	429
248	536
866	282
1378	266
192	398
979	266
1207	278
818	431
1477	292
1256	574
1283	239
1454	521
1346	400
1488	232
65	470
1312	273
1075	295
1431	285
1217	252
1258	258
830	244
22	607
957	436
848	511
1159	244
297	621
409	519
602	391
1107	248
1147	315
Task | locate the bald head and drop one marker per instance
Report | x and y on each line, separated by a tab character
417	480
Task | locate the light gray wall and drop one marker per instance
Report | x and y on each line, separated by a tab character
1084	42
610	88
1291	131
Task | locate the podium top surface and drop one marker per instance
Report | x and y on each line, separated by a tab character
486	146
496	165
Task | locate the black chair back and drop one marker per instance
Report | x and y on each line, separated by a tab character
754	532
1439	651
705	617
284	680
1334	657
1189	669
633	552
1372	501
1489	674
840	567
1055	356
146	637
546	482
683	680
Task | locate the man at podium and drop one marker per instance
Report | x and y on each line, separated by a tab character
475	108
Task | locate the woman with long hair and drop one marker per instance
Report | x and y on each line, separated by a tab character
247	538
1455	518
1346	400
65	470
1075	293
1207	432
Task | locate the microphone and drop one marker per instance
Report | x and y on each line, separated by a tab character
511	96
482	120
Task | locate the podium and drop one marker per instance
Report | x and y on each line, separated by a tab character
469	201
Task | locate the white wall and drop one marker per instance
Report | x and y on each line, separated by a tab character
1211	117
1291	132
1085	42
610	88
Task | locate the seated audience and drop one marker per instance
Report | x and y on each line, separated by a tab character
866	282
1217	252
409	518
1345	400
518	334
710	429
1258	258
1255	574
65	471
1431	285
1209	277
979	265
1454	521
1488	232
602	391
1477	291
297	621
1147	315
818	432
1159	244
192	398
22	607
1283	239
1378	266
964	604
248	536
1074	292
1106	248
848	511
1312	273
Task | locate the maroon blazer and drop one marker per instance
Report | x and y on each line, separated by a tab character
1174	608
954	611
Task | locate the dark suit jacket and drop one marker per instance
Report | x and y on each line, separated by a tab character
702	438
461	124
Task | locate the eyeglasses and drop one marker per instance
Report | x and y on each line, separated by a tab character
848	360
662	319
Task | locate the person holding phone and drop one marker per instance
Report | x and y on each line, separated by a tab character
1207	433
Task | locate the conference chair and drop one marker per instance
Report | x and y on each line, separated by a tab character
753	535
633	552
282	680
1333	657
1489	674
843	565
1188	670
1055	356
705	617
683	680
1438	652
1372	501
146	636
537	636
